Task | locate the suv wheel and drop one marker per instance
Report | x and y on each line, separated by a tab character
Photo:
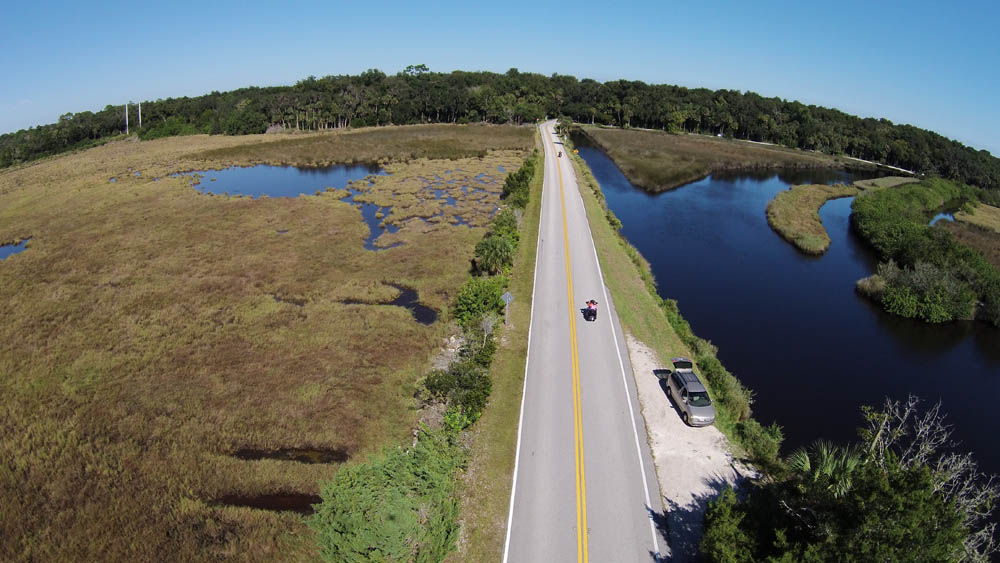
684	417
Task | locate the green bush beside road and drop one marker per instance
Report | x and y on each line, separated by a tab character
403	505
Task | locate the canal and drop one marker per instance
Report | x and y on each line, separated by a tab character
790	326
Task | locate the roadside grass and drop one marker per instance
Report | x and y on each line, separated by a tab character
985	216
493	440
151	331
658	161
885	182
794	214
376	144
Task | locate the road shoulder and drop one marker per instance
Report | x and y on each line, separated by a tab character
692	464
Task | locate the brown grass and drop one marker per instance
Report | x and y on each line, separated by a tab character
794	214
150	331
375	144
885	182
985	216
658	161
984	240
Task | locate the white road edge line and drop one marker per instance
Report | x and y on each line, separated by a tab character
527	359
621	366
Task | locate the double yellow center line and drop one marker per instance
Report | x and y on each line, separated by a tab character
581	480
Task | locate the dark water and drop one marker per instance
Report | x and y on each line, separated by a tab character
301	455
291	502
791	326
408	299
376	226
281	181
11	249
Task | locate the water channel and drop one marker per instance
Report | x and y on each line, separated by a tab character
790	326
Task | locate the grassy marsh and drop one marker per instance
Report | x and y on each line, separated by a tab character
658	161
979	230
375	144
884	182
151	332
794	214
985	216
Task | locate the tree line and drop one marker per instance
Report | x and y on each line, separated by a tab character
417	95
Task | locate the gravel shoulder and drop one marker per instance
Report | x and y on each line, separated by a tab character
692	464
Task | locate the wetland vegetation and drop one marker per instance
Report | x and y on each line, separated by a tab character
154	335
925	272
403	505
794	214
657	161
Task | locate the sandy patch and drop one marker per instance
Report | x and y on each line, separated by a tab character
692	464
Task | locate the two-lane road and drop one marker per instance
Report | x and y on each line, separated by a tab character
583	480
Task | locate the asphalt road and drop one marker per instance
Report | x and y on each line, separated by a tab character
584	487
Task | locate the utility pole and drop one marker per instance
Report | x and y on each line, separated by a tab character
140	115
126	118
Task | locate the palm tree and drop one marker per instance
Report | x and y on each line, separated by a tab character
826	466
494	254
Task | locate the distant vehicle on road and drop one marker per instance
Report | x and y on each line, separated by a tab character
689	394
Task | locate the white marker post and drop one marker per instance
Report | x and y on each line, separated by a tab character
140	115
126	118
507	298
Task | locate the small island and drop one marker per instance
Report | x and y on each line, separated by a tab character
794	214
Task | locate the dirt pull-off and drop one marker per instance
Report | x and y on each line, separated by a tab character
692	464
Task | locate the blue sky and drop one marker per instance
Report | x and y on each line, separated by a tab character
932	64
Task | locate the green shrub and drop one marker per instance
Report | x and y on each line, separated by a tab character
477	297
478	348
927	274
494	254
507	225
517	186
723	539
763	443
725	387
399	506
464	387
169	127
613	220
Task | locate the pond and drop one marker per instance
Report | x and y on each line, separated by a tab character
292	181
280	181
11	249
790	326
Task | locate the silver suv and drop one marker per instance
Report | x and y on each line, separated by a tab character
689	394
